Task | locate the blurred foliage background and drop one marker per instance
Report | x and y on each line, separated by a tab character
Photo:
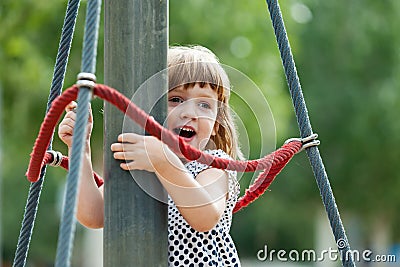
348	58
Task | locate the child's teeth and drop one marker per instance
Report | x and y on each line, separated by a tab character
187	129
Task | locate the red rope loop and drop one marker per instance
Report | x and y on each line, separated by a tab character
272	164
49	157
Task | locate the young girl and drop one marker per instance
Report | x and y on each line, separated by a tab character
201	198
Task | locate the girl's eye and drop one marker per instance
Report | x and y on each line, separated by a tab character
175	100
204	105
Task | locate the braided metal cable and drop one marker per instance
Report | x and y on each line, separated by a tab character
306	130
68	224
55	90
64	50
92	23
88	65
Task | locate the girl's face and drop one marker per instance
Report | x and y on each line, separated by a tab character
192	113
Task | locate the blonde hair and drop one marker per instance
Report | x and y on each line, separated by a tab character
190	65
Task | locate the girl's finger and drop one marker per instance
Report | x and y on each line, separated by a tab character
128	166
120	147
68	121
71	115
124	166
116	147
71	106
124	155
65	129
90	113
130	137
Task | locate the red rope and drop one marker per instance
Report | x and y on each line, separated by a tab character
48	158
278	159
272	164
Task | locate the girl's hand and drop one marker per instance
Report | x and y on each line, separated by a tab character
66	127
142	152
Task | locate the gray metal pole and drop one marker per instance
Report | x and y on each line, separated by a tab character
136	44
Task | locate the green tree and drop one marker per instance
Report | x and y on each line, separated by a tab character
350	59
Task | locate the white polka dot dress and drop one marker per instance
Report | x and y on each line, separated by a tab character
187	247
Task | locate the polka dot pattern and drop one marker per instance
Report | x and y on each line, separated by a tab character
186	246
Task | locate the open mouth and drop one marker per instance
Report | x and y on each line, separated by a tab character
185	132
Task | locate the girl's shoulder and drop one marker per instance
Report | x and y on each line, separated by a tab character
196	167
218	153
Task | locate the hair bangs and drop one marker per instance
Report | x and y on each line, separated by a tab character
188	74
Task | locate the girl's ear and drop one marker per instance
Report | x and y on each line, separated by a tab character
215	129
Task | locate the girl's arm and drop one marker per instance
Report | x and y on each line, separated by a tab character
201	201
90	198
90	210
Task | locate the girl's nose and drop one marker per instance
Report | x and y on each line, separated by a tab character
188	110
